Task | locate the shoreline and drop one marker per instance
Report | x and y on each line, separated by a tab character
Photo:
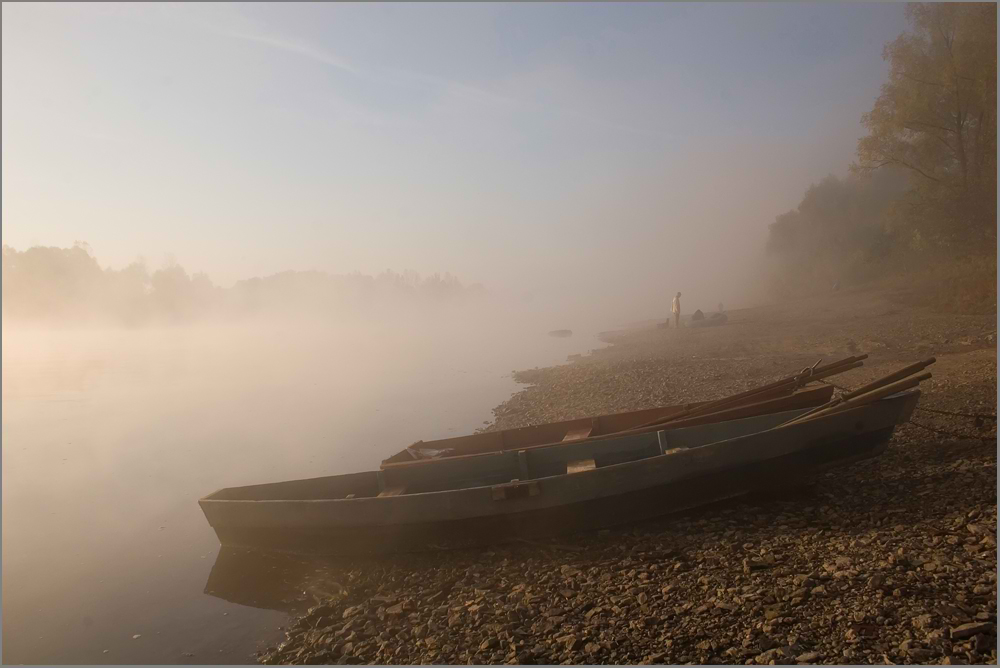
834	574
676	366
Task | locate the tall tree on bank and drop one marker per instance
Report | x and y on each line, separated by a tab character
936	117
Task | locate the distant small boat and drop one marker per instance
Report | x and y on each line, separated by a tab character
559	488
561	333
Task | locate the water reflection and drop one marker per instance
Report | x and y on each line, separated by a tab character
270	580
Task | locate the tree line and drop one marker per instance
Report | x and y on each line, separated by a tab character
67	285
925	175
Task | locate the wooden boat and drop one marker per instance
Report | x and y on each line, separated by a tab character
559	488
604	425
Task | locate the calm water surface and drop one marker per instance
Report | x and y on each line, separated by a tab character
110	437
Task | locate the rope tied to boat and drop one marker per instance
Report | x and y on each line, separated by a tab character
806	374
953	434
974	416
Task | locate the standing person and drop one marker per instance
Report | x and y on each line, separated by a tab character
675	308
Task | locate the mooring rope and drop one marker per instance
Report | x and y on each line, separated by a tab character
953	434
977	416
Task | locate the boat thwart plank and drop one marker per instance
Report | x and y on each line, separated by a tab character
580	465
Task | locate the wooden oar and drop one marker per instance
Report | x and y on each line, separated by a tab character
891	378
788	387
874	385
860	400
789	383
756	394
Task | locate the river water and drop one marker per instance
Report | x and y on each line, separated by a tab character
109	437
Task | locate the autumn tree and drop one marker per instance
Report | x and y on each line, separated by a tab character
936	117
837	232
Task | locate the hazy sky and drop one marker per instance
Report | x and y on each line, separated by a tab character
608	150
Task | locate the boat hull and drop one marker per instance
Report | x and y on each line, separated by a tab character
602	426
593	514
600	498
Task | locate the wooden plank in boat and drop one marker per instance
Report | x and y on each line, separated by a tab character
581	465
578	433
393	491
636	445
515	489
522	465
661	437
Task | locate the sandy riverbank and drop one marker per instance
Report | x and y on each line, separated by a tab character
892	560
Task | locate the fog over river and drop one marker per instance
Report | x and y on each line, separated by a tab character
110	437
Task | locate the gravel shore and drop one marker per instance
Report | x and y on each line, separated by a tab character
889	561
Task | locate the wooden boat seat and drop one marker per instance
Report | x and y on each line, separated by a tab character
634	447
581	465
578	433
389	488
515	489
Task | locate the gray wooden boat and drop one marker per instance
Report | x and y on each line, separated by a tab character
602	426
545	491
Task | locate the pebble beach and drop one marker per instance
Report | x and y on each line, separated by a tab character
887	561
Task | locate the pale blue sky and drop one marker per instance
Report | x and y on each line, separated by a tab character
599	149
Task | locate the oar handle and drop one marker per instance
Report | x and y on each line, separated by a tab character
867	398
789	383
891	378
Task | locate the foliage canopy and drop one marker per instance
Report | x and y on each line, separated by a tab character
936	118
